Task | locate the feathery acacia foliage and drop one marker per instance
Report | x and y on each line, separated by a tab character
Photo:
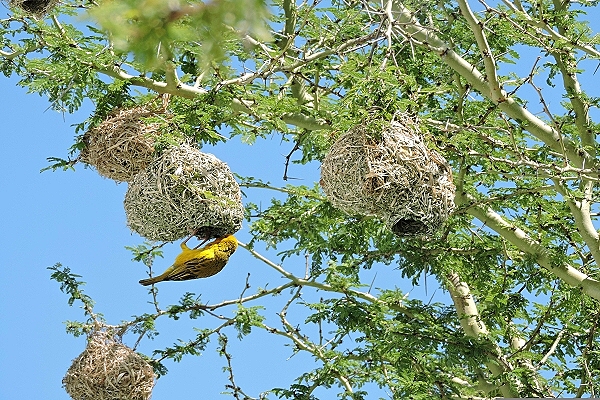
519	256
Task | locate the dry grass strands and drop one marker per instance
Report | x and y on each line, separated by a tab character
122	145
35	7
108	370
391	175
184	190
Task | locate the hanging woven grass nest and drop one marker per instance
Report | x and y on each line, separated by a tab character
122	145
35	7
390	174
109	370
182	191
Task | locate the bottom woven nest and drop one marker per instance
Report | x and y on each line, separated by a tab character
109	370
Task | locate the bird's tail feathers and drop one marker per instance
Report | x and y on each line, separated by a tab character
147	282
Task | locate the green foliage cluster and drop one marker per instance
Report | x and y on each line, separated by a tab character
519	256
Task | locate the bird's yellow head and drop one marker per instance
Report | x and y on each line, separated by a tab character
227	243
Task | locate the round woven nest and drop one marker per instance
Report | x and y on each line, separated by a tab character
36	7
182	191
122	145
391	175
108	370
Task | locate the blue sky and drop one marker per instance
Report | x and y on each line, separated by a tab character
77	219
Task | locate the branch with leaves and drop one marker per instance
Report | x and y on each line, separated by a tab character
526	172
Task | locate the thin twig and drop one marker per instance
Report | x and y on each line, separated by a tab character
322	286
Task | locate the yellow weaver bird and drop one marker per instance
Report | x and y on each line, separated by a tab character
198	263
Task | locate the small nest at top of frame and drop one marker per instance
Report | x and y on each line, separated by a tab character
109	370
389	174
34	7
182	191
122	145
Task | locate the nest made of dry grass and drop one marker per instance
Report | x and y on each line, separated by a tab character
182	191
390	174
108	370
35	7
122	145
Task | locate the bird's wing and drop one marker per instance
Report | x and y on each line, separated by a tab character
188	270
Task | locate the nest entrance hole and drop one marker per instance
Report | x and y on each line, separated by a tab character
409	227
37	7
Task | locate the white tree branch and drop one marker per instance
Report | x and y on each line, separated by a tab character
409	27
541	27
473	326
518	238
580	209
497	95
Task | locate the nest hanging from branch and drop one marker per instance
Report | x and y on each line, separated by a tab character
122	145
108	370
35	7
389	174
182	191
